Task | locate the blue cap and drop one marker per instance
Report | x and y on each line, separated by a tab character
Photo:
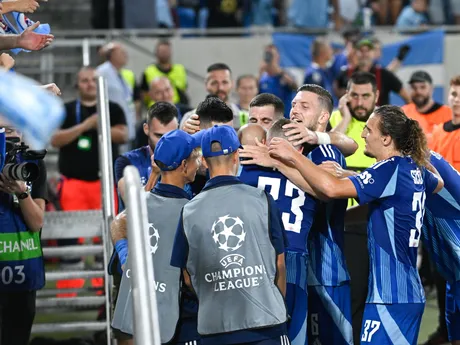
174	147
225	135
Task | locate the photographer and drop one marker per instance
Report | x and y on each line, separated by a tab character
273	79
22	208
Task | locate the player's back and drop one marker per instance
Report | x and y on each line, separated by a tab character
441	228
396	191
297	208
327	265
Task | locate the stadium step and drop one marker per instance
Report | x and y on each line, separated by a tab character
72	302
55	292
62	275
65	225
82	250
69	327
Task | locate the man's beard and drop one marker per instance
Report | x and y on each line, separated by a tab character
364	117
420	101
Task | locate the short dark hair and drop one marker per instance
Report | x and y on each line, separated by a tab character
276	130
218	67
264	99
162	111
213	109
324	97
163	42
362	78
245	76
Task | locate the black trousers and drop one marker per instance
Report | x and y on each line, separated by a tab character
357	258
100	16
17	313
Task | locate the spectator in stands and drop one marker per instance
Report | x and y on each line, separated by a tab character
312	14
413	15
78	145
423	108
386	11
273	79
176	74
325	67
128	76
396	63
247	88
223	13
446	136
119	91
218	83
22	210
28	39
386	81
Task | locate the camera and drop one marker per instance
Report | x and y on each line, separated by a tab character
268	57
22	169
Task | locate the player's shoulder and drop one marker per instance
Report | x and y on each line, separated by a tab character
326	151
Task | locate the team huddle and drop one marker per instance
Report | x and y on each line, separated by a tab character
257	255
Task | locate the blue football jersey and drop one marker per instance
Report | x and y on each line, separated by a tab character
441	228
395	190
327	265
297	208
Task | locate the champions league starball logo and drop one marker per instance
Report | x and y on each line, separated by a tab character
154	237
228	233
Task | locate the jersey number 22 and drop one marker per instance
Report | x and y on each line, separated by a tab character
297	203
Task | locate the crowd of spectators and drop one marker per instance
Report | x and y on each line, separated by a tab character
268	13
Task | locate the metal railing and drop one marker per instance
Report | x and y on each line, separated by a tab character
107	184
145	313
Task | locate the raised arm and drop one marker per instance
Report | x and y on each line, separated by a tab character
320	181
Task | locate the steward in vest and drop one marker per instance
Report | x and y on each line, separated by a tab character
164	67
230	245
177	156
22	271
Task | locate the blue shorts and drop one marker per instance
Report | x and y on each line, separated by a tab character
329	309
297	297
391	324
453	310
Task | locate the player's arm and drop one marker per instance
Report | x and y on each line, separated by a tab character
433	178
187	280
120	164
298	134
281	274
119	235
320	180
279	242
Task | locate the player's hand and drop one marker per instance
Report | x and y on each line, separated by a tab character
30	40
192	125
281	149
256	154
333	168
298	134
6	61
26	6
155	168
11	186
53	88
91	122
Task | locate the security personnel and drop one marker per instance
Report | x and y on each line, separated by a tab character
176	73
22	271
178	158
230	245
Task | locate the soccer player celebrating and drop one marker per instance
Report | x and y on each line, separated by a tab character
230	244
395	189
441	237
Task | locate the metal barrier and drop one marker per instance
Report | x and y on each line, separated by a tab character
86	224
146	327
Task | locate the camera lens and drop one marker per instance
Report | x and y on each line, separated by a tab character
21	172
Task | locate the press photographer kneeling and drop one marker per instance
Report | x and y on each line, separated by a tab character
22	208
